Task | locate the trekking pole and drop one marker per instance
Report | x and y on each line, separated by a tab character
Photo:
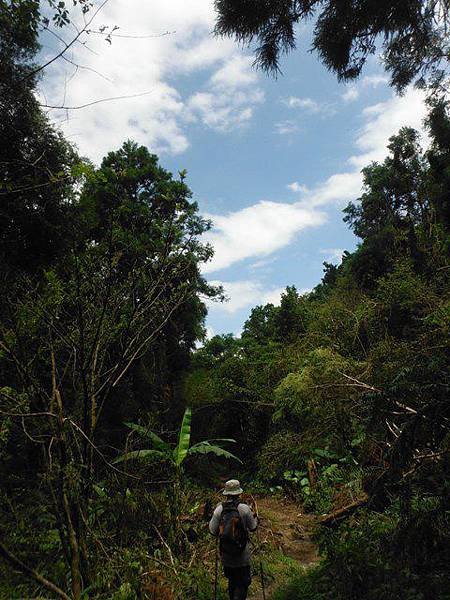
261	571
216	570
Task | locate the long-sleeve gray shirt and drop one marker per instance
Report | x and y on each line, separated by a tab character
250	523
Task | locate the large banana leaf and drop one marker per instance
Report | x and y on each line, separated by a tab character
141	455
157	442
207	448
184	438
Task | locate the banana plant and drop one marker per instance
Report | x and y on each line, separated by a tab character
162	451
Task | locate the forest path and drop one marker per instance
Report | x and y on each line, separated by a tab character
286	528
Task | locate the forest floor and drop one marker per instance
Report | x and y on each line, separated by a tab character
285	537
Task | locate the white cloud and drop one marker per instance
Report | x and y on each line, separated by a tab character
257	230
262	264
273	296
295	186
374	80
243	294
210	333
338	188
381	122
385	119
235	73
247	293
351	94
223	111
306	103
333	255
265	227
229	97
309	105
225	98
287	127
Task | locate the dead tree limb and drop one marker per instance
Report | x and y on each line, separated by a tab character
332	519
67	45
29	572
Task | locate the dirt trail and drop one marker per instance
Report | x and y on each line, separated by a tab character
284	526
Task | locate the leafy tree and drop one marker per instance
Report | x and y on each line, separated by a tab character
318	397
412	34
329	279
68	342
400	212
215	350
35	161
395	194
260	326
438	157
290	319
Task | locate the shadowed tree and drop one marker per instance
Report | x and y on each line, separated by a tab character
68	343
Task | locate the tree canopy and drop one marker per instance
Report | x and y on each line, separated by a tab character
411	34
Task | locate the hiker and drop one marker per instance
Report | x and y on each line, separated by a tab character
231	522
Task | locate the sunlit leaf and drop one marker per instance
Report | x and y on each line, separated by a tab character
181	451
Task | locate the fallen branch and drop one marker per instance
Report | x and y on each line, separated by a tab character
29	572
342	513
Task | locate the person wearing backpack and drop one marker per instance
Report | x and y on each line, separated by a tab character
231	522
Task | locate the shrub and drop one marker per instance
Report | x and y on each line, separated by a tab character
281	451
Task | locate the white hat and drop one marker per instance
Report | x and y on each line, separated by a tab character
232	488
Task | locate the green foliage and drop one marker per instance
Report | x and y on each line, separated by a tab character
317	398
362	563
353	380
145	432
281	452
199	387
306	586
291	318
207	448
181	451
360	567
87	316
413	40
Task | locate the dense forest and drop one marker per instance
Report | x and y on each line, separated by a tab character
119	420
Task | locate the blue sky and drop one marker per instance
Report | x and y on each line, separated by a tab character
271	162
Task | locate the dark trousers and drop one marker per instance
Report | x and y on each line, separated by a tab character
239	579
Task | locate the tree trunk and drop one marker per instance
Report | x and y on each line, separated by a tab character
75	569
312	474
